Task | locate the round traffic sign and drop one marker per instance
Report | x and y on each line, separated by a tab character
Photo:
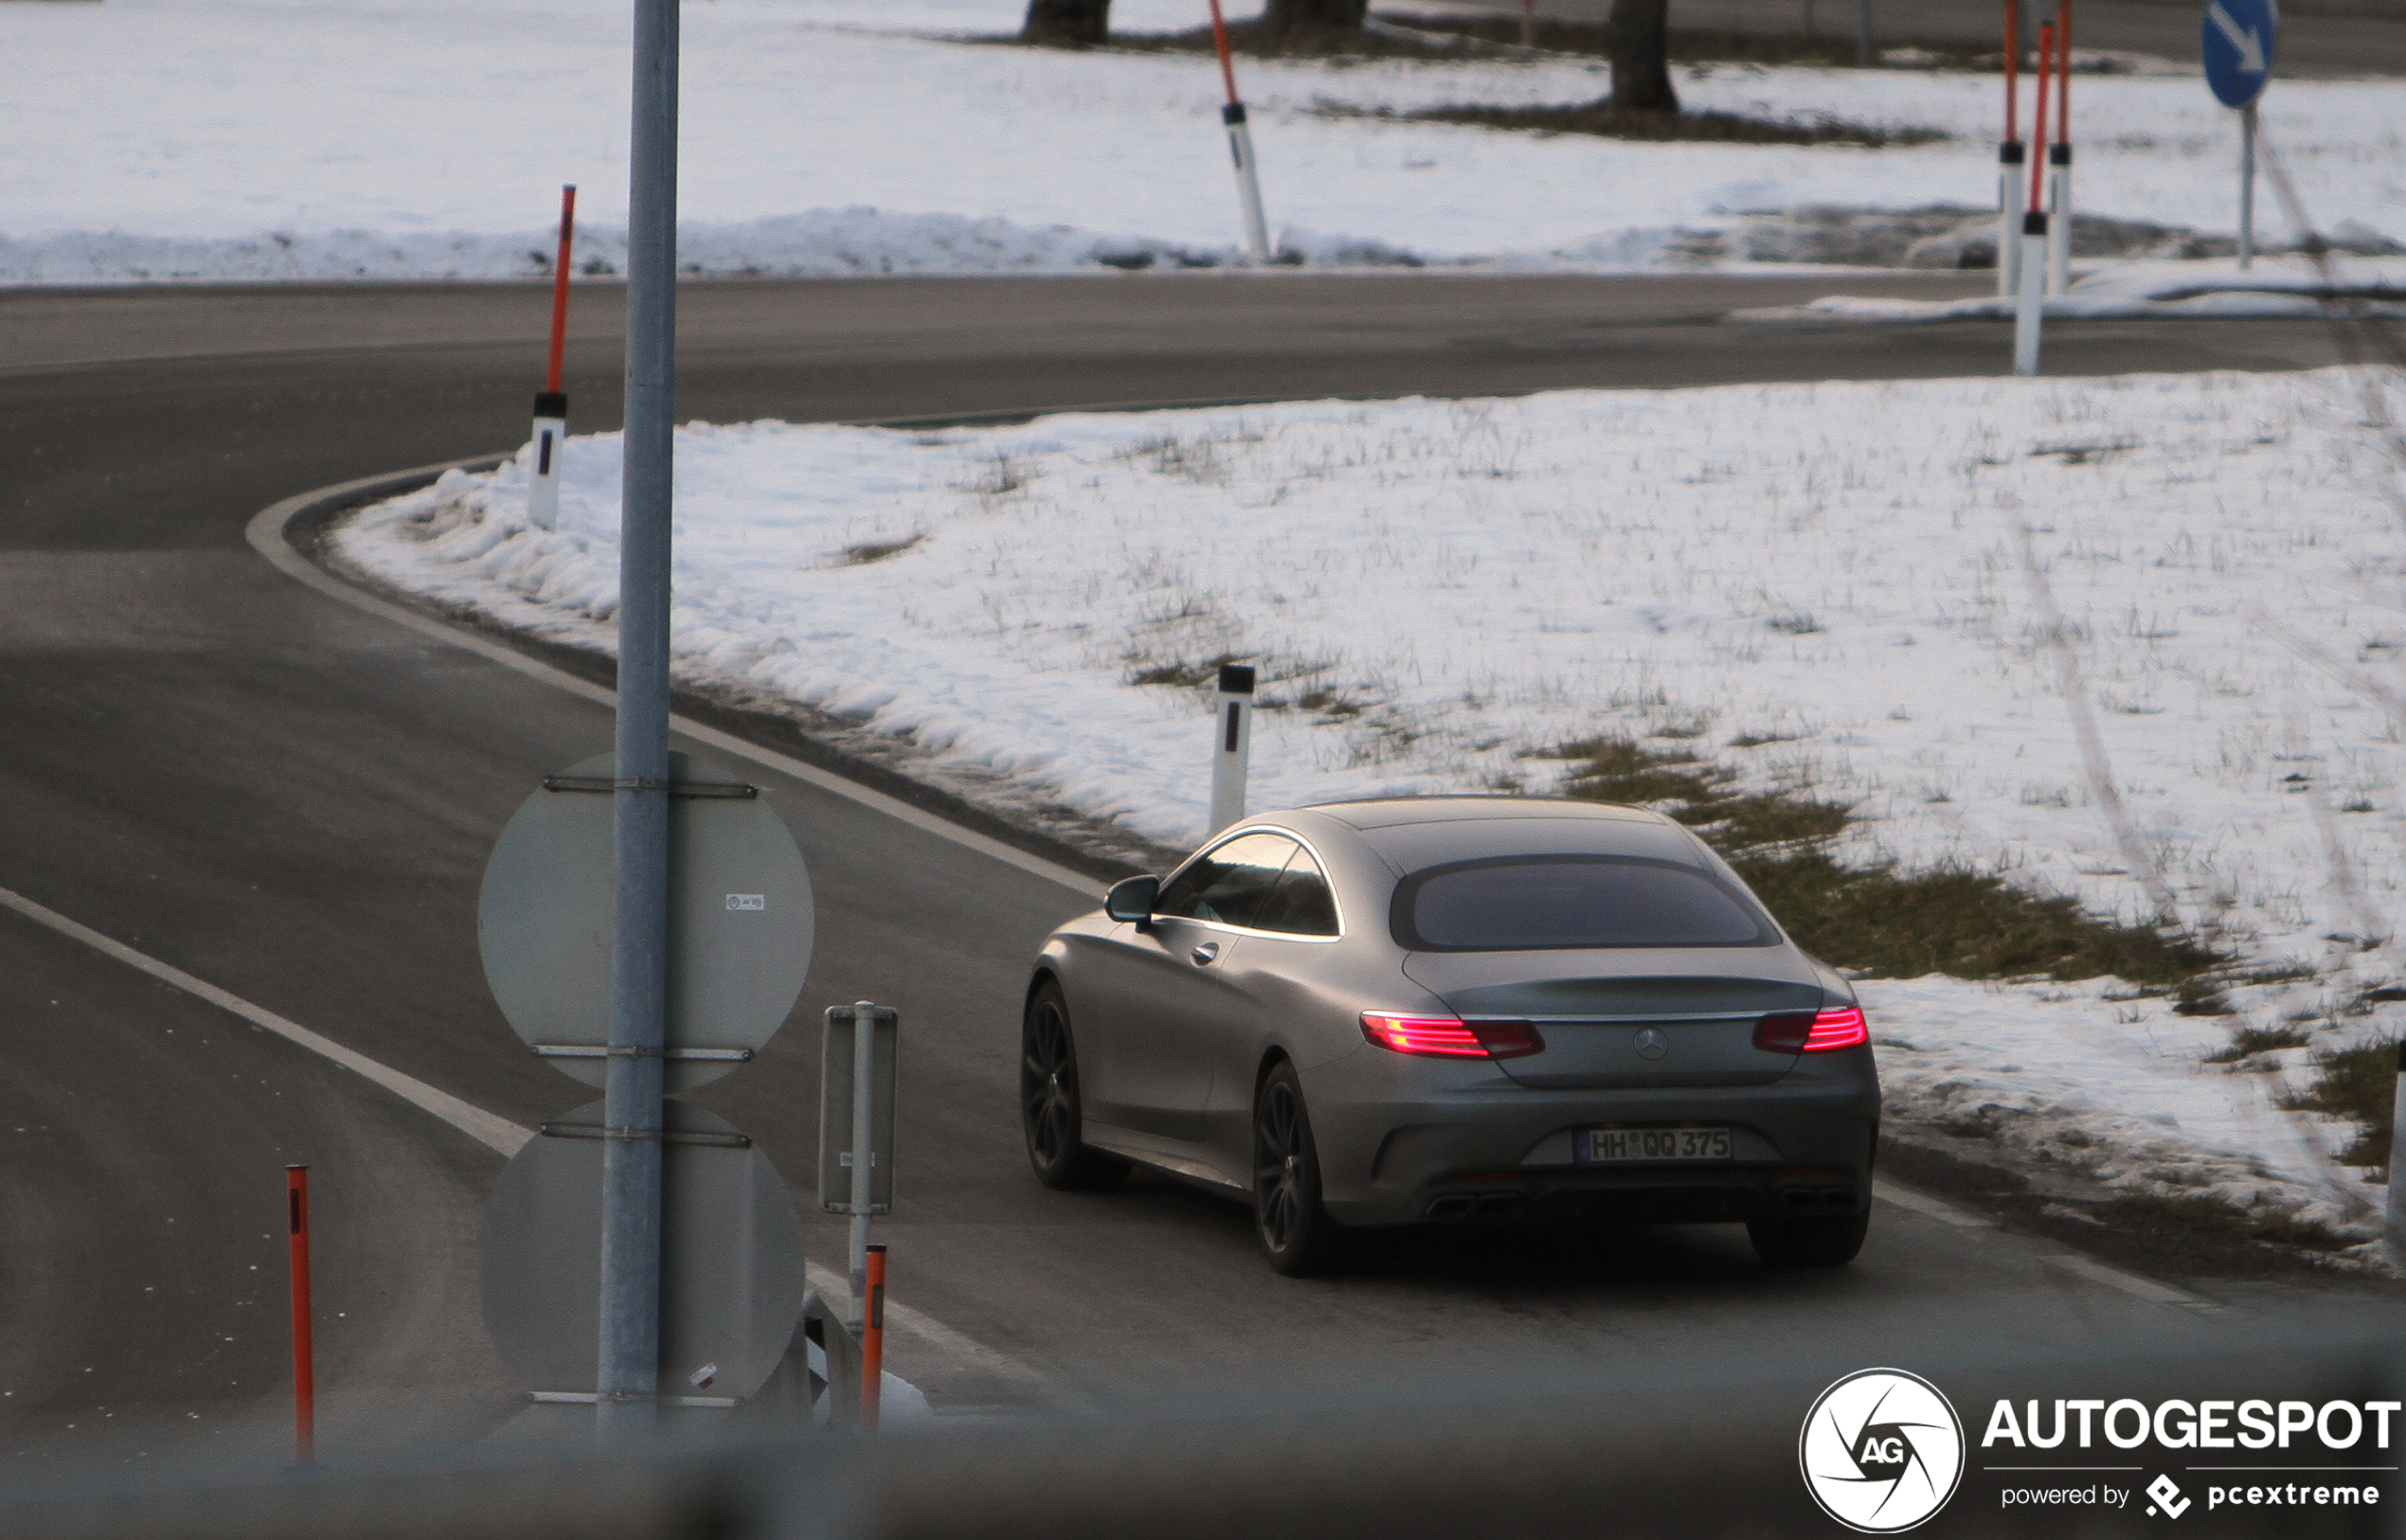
740	921
2239	42
731	1279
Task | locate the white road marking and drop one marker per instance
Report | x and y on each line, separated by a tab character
484	1127
1922	1203
2072	1262
489	1129
266	533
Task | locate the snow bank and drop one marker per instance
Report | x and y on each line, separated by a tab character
1433	590
2277	287
316	138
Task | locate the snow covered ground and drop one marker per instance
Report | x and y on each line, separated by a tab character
2209	289
1433	590
267	139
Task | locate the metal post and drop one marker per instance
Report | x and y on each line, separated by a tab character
2395	1205
629	1369
1865	56
2246	187
2033	282
304	1351
1231	744
864	1149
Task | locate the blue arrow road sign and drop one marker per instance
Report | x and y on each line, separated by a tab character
2240	36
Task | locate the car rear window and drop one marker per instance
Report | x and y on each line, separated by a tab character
1537	903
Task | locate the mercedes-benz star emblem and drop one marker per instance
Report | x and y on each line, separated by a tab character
1881	1450
1651	1044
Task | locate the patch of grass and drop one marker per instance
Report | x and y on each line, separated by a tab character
1603	120
2360	1085
1184	676
2249	1041
1875	919
2201	1213
877	550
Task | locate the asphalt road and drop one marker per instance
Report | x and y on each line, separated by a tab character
292	800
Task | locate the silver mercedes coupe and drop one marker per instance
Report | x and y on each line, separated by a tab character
1456	1009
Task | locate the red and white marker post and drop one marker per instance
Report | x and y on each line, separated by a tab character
1239	145
873	1340
304	1352
1528	23
2010	154
2059	162
551	405
2033	304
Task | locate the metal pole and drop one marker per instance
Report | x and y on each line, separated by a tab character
304	1352
629	1370
2246	187
1865	56
863	1150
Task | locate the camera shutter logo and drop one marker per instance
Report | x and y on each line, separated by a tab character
1882	1450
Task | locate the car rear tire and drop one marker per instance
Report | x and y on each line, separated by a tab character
1830	1240
1295	1233
1050	1114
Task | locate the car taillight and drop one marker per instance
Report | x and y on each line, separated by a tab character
1804	1032
1447	1037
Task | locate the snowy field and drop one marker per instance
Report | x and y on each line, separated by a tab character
268	139
1434	590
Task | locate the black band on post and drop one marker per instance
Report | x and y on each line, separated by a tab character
552	404
2012	152
1236	679
2060	153
1233	113
2034	223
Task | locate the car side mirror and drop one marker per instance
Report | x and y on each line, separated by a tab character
1130	900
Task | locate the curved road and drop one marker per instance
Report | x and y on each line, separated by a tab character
292	800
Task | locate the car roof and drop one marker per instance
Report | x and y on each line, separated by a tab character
1397	812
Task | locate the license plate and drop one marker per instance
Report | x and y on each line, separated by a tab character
1655	1145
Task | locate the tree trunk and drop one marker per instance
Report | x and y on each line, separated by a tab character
1641	49
1076	22
1313	15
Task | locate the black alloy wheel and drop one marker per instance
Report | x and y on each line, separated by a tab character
1050	1112
1295	1233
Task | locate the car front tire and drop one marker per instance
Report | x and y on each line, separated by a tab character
1295	1233
1050	1114
1822	1241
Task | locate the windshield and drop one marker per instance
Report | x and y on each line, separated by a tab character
1520	904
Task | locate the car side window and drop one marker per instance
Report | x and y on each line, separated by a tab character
1302	903
1228	884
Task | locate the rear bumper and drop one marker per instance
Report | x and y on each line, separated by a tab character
1492	1151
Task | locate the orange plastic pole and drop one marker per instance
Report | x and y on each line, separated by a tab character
559	288
1219	36
304	1355
2038	125
2012	69
872	1339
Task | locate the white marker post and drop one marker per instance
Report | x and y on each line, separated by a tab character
2031	310
1231	744
552	404
2059	162
1240	146
2010	156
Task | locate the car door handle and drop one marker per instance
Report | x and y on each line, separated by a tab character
1204	954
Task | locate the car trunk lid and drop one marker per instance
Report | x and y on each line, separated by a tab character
1690	1023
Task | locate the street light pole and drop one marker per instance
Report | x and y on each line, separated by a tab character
629	1369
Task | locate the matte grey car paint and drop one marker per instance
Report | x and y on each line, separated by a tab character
1176	1024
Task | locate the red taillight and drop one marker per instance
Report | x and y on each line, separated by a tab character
1805	1033
1445	1037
